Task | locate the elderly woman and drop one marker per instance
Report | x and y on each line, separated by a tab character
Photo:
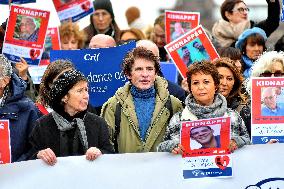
251	44
70	129
17	108
51	73
270	64
71	37
203	102
235	20
231	82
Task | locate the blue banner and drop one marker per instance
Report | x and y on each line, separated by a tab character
213	172
169	71
6	2
102	67
282	15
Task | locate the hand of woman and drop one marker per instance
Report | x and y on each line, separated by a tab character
93	153
178	149
22	67
233	146
48	156
272	141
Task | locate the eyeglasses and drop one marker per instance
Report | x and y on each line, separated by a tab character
270	97
269	74
242	10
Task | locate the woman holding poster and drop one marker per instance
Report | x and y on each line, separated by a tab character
69	130
204	102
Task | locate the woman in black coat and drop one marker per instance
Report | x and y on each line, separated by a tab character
70	130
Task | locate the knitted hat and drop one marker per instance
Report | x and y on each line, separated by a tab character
247	33
63	84
104	4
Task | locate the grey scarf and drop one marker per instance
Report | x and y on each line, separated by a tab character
217	109
64	125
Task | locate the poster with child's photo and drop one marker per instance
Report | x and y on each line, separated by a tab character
25	35
178	23
194	46
268	116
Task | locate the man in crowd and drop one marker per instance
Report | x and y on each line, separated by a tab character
270	107
139	112
204	136
28	29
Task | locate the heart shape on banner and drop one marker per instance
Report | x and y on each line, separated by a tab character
222	161
86	6
34	53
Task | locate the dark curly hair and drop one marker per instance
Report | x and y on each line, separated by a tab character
139	53
53	70
204	67
236	90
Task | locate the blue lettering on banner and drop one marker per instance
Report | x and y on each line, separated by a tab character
265	139
102	68
212	172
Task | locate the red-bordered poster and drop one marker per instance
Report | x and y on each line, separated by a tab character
267	117
52	42
25	34
194	46
5	148
73	9
206	148
178	23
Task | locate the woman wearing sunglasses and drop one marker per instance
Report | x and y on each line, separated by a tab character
235	20
269	64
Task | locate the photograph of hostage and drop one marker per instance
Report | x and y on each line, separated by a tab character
204	135
200	52
186	58
28	30
270	106
178	31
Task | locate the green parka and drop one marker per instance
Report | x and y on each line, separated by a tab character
129	139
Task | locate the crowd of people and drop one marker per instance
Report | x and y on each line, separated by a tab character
145	114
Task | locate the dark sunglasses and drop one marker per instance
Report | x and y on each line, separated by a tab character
126	41
269	74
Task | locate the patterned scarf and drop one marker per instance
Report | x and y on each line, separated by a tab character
64	125
217	109
5	96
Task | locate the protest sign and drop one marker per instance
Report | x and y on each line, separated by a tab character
178	23
52	42
146	170
5	148
73	9
102	68
169	71
191	47
206	148
6	2
267	103
25	34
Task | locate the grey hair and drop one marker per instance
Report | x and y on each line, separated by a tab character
6	69
263	63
